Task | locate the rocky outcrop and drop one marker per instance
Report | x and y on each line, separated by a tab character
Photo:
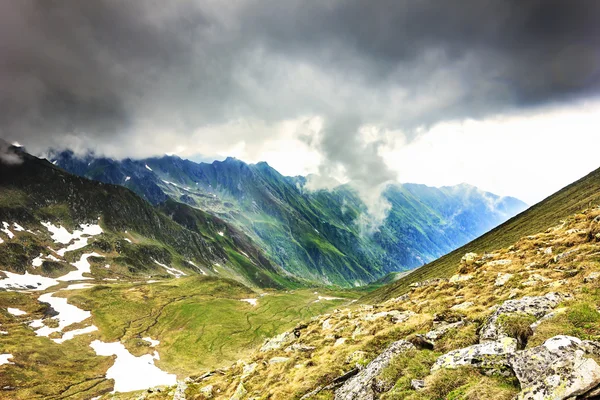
558	369
537	307
441	329
278	341
490	355
361	386
502	279
395	316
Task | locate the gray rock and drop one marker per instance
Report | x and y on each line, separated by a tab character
278	341
240	392
248	370
557	370
417	384
460	278
594	276
279	360
502	279
207	391
299	347
463	306
442	328
490	355
180	391
468	259
361	386
537	306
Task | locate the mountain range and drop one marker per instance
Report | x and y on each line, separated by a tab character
314	236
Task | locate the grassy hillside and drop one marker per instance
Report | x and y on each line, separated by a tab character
439	319
577	196
135	231
313	235
201	323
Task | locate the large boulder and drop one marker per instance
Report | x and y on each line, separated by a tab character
556	370
490	355
537	307
278	341
361	386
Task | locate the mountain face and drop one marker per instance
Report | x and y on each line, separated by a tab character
551	211
144	240
313	235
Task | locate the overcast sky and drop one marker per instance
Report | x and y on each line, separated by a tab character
502	94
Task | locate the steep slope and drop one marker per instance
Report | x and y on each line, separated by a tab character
521	323
313	235
35	191
549	212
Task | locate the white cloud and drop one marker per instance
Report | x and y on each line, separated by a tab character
529	155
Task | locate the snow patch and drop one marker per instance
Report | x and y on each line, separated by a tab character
76	332
153	343
83	266
6	230
253	302
37	262
127	178
18	227
15	311
173	271
4	359
132	373
221	233
61	235
68	314
26	281
200	269
147	167
77	286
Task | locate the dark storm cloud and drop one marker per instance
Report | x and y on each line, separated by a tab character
117	75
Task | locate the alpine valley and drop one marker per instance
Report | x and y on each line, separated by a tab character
168	279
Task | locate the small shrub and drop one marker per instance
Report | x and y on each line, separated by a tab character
583	316
517	326
457	338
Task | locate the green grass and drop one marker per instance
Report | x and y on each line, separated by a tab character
573	198
200	322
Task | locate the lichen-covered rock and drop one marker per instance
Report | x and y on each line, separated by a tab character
180	391
360	386
502	279
207	391
463	306
594	276
248	370
490	355
437	333
278	341
468	259
460	278
279	360
417	384
395	316
299	347
240	392
537	306
498	263
556	370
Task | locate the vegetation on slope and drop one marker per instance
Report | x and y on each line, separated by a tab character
562	259
35	191
575	197
318	235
